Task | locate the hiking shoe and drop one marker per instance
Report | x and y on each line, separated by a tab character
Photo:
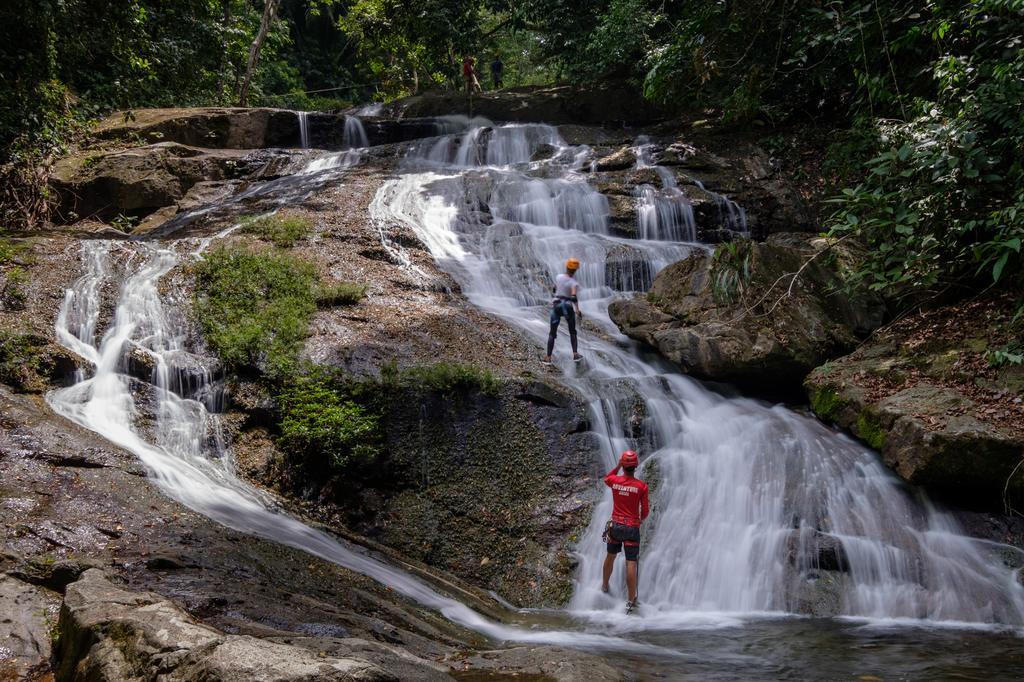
632	606
577	357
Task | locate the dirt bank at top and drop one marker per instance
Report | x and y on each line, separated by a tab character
602	105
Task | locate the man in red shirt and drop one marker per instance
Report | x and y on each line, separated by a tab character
631	507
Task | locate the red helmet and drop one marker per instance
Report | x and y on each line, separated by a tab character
629	460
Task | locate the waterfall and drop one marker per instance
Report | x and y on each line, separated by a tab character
303	128
354	135
749	497
178	442
667	213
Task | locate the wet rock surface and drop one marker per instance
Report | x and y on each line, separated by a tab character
110	633
488	487
59	522
739	316
27	614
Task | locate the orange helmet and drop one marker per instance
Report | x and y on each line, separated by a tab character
572	264
629	460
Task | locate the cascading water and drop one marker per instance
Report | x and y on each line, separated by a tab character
667	213
303	128
178	440
750	497
664	214
354	134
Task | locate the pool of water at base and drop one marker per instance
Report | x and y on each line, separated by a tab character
829	649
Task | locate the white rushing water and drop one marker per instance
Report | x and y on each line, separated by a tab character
303	128
752	501
354	134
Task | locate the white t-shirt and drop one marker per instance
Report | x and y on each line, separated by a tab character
564	284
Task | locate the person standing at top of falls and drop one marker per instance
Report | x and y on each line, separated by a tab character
565	304
469	73
497	72
630	508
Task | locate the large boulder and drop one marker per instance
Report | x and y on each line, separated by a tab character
209	127
490	485
137	181
26	613
923	394
110	633
760	315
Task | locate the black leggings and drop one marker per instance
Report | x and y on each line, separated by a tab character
559	310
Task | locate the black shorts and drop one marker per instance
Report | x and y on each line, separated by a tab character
632	550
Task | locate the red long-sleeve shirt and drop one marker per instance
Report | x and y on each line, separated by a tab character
629	496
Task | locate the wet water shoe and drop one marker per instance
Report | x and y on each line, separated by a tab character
632	606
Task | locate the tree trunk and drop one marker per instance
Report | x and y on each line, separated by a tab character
269	9
222	61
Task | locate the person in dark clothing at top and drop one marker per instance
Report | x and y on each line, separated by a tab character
497	72
565	304
630	508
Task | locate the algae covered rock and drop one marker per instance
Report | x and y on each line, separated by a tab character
760	315
487	482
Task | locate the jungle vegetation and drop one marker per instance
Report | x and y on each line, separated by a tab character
924	96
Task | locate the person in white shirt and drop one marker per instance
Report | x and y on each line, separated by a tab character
565	304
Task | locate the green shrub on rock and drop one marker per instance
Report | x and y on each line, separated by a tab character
281	229
255	307
318	419
444	377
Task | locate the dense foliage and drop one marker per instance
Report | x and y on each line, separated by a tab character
928	91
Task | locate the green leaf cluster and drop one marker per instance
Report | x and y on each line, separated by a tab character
320	420
942	201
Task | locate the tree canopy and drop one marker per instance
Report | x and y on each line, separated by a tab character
929	90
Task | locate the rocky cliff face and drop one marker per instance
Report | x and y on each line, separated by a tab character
759	315
491	487
923	394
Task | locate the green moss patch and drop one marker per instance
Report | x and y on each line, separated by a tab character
870	430
826	403
28	361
